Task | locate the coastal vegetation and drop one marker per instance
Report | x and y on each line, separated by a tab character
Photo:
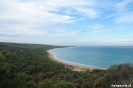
28	66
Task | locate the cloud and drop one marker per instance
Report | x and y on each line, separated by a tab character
3	38
20	30
121	6
27	17
123	14
97	26
110	15
61	19
127	17
107	41
70	3
64	19
64	34
83	8
90	13
120	41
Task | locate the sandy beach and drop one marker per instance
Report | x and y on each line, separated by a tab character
74	67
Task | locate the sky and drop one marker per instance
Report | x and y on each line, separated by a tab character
67	22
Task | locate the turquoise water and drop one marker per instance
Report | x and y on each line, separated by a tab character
94	56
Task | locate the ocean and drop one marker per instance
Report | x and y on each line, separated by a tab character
95	56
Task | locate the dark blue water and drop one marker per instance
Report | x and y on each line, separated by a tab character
95	56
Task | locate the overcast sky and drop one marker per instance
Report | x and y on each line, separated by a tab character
67	22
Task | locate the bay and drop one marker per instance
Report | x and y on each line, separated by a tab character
95	56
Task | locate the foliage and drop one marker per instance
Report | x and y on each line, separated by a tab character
63	84
46	84
28	66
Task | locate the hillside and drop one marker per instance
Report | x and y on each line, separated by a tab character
28	66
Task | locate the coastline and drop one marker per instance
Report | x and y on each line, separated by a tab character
74	67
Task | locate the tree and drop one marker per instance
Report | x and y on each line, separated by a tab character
31	84
46	84
63	84
10	56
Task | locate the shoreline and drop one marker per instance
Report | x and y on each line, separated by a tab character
74	67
